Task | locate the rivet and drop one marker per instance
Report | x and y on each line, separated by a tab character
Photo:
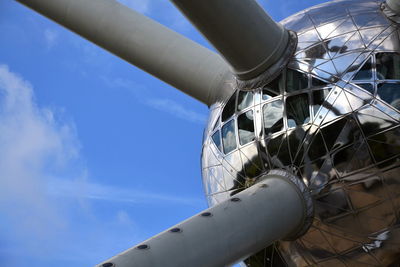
235	199
206	214
144	246
175	230
264	186
108	264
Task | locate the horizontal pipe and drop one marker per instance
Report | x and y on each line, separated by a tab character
273	209
247	37
167	55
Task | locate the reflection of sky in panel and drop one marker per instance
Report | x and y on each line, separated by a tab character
337	58
245	99
217	139
228	136
273	113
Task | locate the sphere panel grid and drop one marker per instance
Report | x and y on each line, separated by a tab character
335	125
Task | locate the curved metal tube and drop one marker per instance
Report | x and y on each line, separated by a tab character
394	5
241	31
275	208
142	42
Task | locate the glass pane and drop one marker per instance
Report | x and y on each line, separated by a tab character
273	88
298	110
319	98
245	100
390	93
365	73
217	140
246	127
273	117
388	66
295	80
367	86
229	108
229	137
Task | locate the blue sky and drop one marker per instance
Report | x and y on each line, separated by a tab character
95	155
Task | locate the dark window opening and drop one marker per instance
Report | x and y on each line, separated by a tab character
388	66
390	93
365	73
273	117
298	110
245	100
317	82
217	140
367	86
295	81
229	108
229	136
273	88
246	127
319	98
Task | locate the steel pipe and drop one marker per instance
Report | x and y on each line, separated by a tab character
241	31
273	209
394	5
144	43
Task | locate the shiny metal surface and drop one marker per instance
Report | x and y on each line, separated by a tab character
143	42
204	240
247	49
331	118
394	5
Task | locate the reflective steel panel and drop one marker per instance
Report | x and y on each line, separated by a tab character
333	119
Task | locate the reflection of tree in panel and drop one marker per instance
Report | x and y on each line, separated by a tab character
297	109
246	127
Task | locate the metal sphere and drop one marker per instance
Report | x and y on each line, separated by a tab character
332	119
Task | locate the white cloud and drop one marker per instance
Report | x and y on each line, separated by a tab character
177	110
123	83
124	218
32	142
42	201
51	37
165	105
83	189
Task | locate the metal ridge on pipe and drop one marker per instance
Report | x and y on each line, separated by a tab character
247	37
278	206
167	55
394	5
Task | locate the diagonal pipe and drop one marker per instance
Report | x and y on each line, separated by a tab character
278	207
163	53
247	37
